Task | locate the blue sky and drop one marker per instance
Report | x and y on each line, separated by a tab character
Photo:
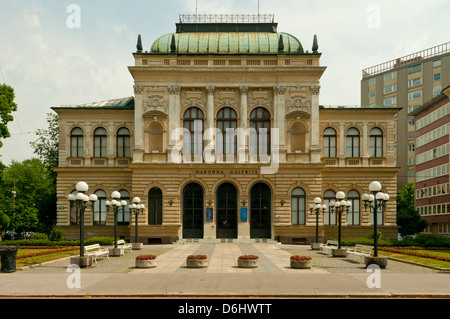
49	64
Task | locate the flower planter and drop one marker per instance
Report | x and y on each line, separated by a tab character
248	261
197	261
146	261
301	262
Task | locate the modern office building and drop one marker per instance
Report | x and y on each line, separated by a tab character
432	183
225	140
407	82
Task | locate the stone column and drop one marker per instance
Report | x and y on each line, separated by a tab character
242	146
365	152
111	151
138	152
279	109
342	144
88	144
315	146
174	121
209	140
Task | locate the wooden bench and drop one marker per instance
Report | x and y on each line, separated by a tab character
96	251
359	252
329	246
121	244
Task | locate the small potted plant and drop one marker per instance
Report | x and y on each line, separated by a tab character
197	261
301	262
248	261
145	261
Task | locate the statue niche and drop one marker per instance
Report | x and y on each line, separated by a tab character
154	136
299	133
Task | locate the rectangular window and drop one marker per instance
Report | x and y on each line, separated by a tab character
372	82
414	95
414	82
390	88
415	68
437	63
372	94
437	77
390	100
436	90
390	76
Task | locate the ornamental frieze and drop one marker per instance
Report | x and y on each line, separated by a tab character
193	97
298	104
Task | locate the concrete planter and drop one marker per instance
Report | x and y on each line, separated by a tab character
248	263
315	246
196	263
82	262
339	252
115	252
300	264
137	246
149	263
380	261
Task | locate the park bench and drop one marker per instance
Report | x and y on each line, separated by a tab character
359	252
96	251
121	244
329	246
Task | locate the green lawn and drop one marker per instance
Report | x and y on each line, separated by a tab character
23	262
422	260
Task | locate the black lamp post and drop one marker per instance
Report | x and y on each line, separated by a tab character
116	205
317	209
81	201
340	206
375	201
136	208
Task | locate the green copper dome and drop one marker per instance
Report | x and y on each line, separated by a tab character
227	43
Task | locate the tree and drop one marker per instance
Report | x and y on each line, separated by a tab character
7	106
47	144
35	204
408	218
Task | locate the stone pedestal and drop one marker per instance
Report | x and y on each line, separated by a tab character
339	252
82	262
115	252
380	261
315	246
137	246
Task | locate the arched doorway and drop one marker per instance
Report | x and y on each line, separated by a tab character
193	211
227	209
260	211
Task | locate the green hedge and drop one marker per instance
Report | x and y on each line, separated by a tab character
420	240
103	241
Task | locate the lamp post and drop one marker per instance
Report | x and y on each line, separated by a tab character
340	206
81	201
136	208
116	205
375	201
317	209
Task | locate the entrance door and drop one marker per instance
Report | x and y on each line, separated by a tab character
227	209
260	211
193	211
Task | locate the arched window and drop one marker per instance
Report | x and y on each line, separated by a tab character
155	207
100	208
76	142
376	142
123	142
123	216
329	143
353	215
100	142
193	122
329	218
260	136
352	142
227	124
298	205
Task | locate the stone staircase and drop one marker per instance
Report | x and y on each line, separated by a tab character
226	240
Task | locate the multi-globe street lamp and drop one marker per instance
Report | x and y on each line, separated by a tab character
116	204
81	201
375	201
317	209
340	206
136	208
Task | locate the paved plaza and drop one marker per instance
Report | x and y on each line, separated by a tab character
329	276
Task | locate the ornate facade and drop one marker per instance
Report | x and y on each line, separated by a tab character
225	139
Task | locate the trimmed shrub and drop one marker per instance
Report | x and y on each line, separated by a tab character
56	234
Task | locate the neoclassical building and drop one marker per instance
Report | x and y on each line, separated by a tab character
225	140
